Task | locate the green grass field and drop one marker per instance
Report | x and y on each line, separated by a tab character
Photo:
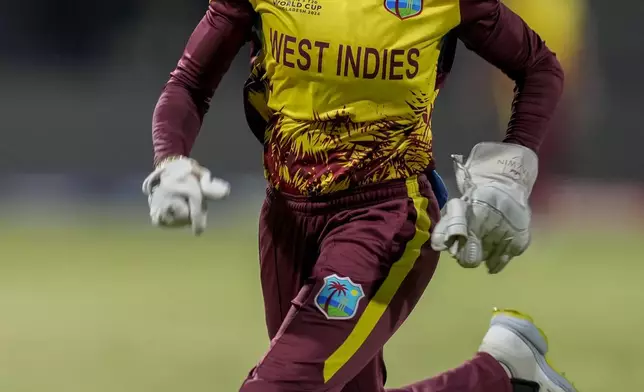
124	309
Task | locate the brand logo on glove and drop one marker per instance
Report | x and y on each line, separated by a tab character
514	167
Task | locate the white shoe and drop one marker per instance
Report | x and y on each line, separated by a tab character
515	341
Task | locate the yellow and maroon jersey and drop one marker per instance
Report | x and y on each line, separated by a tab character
341	93
347	89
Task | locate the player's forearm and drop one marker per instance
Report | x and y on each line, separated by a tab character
506	41
537	94
176	122
208	54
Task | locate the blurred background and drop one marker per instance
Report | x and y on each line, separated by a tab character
92	299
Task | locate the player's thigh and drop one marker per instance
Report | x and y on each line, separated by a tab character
373	267
286	257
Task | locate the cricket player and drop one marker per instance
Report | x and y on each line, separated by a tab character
341	95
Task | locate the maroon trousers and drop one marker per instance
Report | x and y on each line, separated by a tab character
340	274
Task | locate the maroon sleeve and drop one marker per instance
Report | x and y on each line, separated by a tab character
503	39
186	97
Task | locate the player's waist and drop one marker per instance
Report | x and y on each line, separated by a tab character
354	197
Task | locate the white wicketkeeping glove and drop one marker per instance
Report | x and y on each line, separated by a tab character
178	193
491	221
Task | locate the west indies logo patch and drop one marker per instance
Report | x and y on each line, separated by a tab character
339	298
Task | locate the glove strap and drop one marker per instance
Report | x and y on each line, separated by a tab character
169	159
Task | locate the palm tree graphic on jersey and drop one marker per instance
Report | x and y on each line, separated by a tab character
336	288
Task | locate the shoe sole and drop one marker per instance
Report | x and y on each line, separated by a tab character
524	327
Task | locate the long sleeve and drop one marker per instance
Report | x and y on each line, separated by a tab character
213	45
502	38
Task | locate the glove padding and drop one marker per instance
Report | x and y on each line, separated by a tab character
491	221
178	192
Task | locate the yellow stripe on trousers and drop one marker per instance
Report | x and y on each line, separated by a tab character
381	300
